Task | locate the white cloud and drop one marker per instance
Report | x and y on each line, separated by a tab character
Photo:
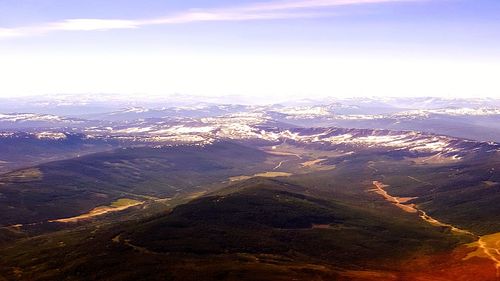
310	4
256	11
92	24
9	32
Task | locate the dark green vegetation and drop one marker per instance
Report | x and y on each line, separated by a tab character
273	227
465	193
71	187
24	149
273	217
317	224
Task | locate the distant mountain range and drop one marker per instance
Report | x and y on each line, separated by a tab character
476	119
339	189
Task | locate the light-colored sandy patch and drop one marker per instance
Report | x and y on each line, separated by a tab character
239	178
264	175
282	153
117	238
195	195
379	189
272	174
488	247
312	162
404	200
316	165
125	202
436	159
163	200
491	183
17	228
118	205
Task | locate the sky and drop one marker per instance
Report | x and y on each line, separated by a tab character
261	49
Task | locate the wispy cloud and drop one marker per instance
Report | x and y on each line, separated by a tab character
309	4
285	9
9	32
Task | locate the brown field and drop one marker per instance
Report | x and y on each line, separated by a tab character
312	162
488	247
118	205
264	175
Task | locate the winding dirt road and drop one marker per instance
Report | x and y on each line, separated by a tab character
412	208
487	246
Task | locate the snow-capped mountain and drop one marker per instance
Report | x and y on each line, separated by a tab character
32	120
203	122
461	111
261	127
31	117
